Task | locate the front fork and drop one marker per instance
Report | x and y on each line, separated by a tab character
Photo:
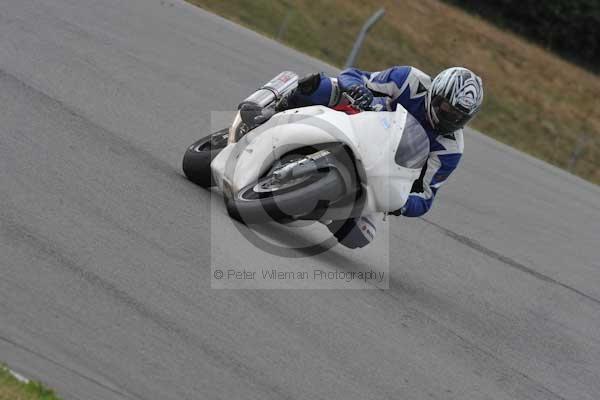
333	156
237	129
306	166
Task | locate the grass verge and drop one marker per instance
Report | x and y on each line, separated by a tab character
534	100
13	389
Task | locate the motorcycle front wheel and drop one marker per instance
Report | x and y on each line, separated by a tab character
271	200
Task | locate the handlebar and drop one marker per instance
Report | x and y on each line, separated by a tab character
377	107
351	101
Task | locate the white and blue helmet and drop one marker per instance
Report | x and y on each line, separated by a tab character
453	99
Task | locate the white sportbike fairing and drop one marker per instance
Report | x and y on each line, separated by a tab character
386	164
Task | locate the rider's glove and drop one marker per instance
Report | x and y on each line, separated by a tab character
361	95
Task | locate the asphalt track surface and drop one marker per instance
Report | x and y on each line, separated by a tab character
105	248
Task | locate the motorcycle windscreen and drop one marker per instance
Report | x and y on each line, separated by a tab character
413	149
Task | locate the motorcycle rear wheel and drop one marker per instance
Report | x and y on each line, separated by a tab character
197	158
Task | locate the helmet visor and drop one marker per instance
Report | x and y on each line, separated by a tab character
449	118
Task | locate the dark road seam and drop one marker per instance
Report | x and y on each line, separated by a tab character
23	234
477	348
506	260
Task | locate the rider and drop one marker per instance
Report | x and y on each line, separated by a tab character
442	107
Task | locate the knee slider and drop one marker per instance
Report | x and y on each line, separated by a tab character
353	233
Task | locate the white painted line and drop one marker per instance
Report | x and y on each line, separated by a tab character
19	377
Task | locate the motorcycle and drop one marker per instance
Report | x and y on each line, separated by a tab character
311	163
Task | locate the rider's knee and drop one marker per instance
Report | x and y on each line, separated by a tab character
316	89
310	83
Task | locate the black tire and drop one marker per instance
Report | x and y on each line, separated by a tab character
197	158
308	195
